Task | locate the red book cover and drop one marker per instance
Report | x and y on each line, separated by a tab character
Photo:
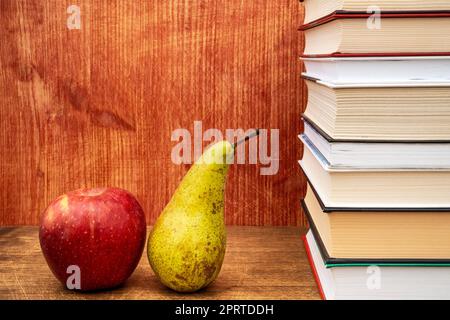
364	15
357	55
313	267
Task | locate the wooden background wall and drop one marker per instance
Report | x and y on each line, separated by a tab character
97	106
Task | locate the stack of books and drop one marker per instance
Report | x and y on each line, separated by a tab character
377	147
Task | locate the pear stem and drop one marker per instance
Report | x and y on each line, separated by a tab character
254	134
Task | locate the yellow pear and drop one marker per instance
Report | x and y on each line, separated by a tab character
186	246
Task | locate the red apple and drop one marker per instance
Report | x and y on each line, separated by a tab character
99	231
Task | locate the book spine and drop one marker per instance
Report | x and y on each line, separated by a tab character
313	267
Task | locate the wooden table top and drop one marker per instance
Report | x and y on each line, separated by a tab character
260	263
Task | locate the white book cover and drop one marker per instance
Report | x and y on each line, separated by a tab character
379	70
376	155
376	188
378	282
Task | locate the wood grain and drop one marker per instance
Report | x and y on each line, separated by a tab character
97	106
260	263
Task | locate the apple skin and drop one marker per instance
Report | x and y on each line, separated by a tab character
102	231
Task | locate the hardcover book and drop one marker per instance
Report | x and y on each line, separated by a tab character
380	112
359	235
344	33
376	189
316	9
376	155
376	281
379	70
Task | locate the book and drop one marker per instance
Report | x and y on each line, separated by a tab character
399	33
379	236
380	112
316	9
375	155
388	69
331	261
376	189
376	281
